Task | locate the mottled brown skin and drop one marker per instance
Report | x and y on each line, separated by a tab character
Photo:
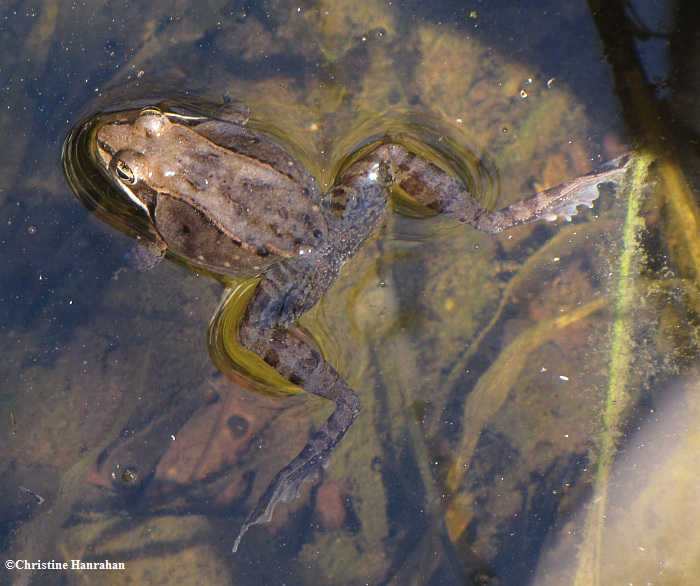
231	200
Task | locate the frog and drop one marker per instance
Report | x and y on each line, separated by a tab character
230	199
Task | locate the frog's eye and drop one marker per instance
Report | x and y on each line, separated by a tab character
125	173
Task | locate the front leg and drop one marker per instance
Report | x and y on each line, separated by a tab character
287	352
431	186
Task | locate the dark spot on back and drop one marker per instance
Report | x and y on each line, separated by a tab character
416	189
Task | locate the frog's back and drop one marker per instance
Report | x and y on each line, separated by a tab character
220	195
256	191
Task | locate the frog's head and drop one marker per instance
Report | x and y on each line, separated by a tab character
128	150
86	168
